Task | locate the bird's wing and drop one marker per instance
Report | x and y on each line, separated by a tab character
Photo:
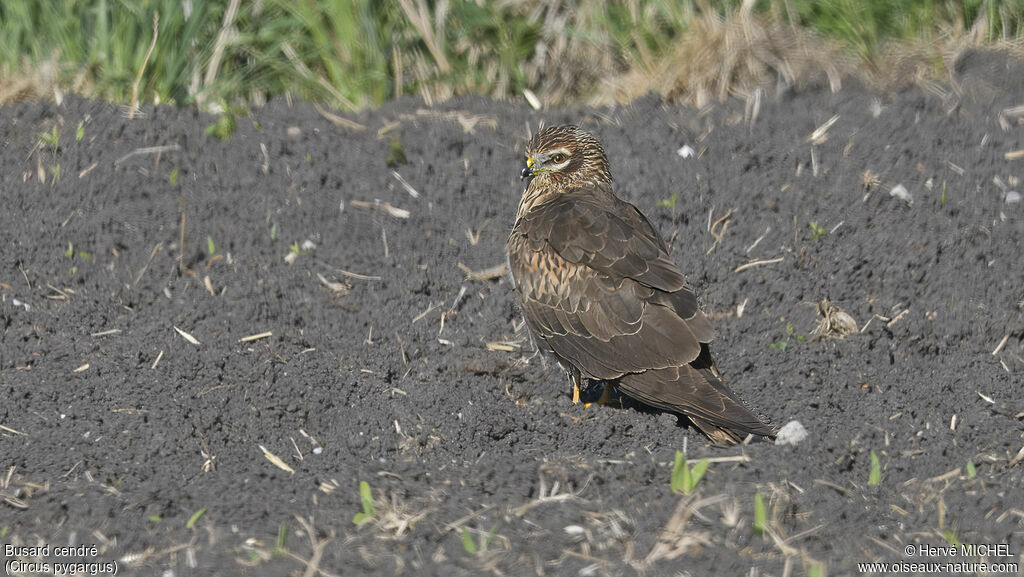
595	228
600	290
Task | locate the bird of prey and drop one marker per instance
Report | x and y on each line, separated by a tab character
599	291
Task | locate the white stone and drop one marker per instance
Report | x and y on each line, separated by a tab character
792	433
901	192
686	151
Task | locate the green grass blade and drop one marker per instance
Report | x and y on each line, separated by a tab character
697	472
366	496
191	523
467	542
876	470
679	473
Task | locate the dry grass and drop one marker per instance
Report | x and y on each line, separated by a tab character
734	55
834	322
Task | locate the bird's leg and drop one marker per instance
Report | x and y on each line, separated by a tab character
574	378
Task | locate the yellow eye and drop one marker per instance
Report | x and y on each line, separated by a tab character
559	158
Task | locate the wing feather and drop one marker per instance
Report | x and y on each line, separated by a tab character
592	226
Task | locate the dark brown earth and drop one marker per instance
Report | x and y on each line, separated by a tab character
117	431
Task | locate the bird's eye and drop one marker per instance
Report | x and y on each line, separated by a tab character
559	158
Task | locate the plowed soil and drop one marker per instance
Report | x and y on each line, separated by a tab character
207	345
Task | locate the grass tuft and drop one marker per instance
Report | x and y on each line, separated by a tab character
223	128
359	53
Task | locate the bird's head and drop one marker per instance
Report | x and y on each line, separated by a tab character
566	155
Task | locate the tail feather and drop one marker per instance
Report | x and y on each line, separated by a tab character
698	391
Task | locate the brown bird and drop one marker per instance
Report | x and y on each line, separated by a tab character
600	293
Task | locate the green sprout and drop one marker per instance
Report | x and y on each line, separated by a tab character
670	202
876	470
366	497
209	245
70	253
951	538
155	518
191	523
52	138
282	538
942	199
817	231
397	154
684	477
174	177
760	514
485	540
80	132
467	542
971	471
781	345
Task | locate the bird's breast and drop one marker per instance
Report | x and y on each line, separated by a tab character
542	274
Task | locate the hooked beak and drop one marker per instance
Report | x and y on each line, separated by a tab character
528	170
